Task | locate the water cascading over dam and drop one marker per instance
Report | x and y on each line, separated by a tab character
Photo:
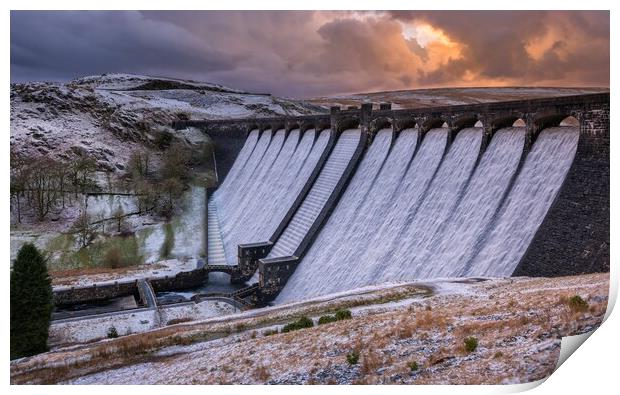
421	201
305	216
529	200
251	211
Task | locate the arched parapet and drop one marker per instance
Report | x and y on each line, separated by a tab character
495	122
428	122
346	122
381	123
291	124
321	124
463	121
537	122
263	126
401	123
351	119
251	126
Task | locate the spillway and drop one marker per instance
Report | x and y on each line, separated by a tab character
231	181
297	173
399	262
401	182
535	189
268	169
279	169
454	244
228	208
307	213
330	238
414	204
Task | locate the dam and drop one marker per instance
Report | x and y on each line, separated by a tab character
461	191
320	204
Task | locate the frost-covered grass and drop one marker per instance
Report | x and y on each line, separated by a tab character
517	333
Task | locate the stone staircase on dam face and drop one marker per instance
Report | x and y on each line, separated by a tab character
215	244
316	199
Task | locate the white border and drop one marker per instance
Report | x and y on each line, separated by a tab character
593	368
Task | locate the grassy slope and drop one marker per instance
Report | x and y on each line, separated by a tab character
518	323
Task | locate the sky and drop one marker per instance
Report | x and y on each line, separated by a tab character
317	53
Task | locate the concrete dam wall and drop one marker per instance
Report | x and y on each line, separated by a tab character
320	204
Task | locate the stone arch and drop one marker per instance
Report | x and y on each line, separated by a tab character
570	121
400	124
432	123
466	121
505	121
381	123
347	122
519	123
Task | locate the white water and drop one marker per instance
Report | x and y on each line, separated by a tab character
228	207
318	195
231	179
330	239
438	204
453	245
398	215
297	172
260	207
393	191
527	204
278	177
248	183
263	176
252	208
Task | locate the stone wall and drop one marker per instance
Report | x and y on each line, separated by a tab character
574	237
92	293
180	281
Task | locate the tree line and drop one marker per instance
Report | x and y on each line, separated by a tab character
43	184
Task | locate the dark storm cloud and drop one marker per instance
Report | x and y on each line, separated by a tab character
318	53
65	44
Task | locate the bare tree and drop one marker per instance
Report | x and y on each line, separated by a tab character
42	186
138	165
19	179
118	216
83	229
82	170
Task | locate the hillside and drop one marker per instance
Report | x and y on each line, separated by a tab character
418	98
107	116
517	323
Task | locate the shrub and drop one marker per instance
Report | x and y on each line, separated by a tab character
303	322
179	320
31	303
343	315
326	319
413	366
471	343
577	304
113	257
163	139
353	357
112	333
270	332
168	244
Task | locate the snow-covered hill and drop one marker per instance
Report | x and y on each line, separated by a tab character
418	98
107	116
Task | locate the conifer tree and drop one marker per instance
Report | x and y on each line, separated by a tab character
31	303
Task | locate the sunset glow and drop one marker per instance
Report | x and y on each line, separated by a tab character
315	53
